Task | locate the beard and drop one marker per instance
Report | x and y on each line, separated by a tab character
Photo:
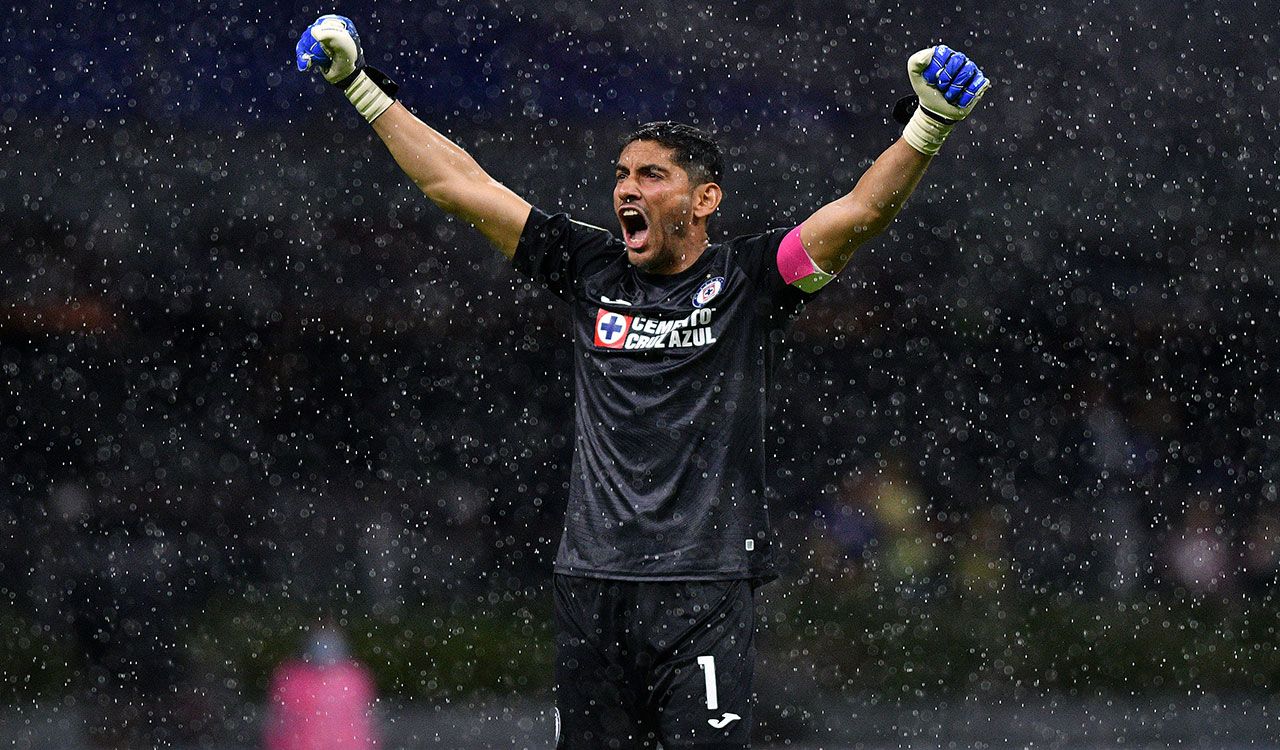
655	261
665	256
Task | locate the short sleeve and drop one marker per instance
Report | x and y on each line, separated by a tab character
558	251
757	256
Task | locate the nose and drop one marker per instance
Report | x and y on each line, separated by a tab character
626	190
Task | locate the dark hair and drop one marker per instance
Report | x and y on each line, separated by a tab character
695	150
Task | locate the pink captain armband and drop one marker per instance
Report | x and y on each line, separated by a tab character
797	268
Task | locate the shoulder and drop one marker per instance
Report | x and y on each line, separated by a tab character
559	250
759	243
543	228
755	253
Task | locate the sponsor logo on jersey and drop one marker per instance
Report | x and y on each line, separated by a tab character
707	292
724	720
611	329
631	332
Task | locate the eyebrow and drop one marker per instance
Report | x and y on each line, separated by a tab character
654	167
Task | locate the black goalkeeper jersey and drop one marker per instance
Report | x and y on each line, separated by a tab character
670	378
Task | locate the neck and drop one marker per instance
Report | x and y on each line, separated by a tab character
688	249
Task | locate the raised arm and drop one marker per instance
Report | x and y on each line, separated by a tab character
834	231
439	167
452	179
949	86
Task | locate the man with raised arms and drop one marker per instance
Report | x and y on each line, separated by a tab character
667	533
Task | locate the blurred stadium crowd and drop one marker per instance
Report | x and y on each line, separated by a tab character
241	354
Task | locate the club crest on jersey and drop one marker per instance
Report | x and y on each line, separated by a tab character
611	328
708	291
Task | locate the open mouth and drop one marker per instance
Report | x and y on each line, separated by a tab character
635	227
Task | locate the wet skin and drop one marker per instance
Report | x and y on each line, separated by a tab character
662	212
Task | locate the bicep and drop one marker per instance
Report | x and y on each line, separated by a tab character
836	230
451	178
496	211
832	234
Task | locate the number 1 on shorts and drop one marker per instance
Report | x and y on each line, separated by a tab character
708	664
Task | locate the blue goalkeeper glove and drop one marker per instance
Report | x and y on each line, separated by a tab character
332	46
948	86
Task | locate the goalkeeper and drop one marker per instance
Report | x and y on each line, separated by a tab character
666	533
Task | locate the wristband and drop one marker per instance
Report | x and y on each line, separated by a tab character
370	90
926	131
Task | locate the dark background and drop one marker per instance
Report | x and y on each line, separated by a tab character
251	377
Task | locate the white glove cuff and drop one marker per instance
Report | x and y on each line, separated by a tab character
924	133
369	99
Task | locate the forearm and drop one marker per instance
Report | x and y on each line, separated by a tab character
451	178
948	86
438	166
836	230
884	188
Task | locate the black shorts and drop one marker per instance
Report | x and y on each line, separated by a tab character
639	662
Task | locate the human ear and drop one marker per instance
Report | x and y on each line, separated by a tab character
706	199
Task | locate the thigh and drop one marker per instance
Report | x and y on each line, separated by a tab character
703	641
597	695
